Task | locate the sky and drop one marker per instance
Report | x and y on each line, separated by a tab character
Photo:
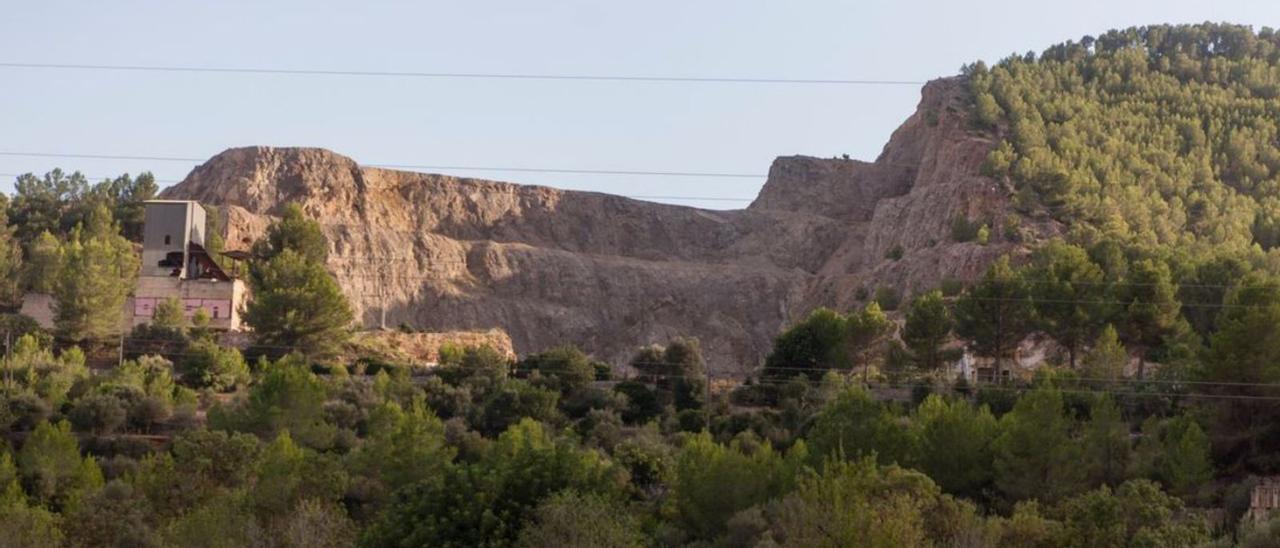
647	126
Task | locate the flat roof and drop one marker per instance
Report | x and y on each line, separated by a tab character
170	202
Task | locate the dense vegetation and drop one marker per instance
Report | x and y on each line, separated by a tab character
1150	416
1154	136
308	443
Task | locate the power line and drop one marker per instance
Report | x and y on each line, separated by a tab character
997	387
576	171
100	156
516	169
1026	301
1074	379
978	385
464	75
632	196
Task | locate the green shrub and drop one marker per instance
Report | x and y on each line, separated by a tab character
888	298
964	230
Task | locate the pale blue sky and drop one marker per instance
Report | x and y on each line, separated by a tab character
586	125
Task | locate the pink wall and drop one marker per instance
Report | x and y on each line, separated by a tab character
145	307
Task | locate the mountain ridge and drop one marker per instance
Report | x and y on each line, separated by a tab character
610	273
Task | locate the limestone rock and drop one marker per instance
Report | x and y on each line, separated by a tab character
610	273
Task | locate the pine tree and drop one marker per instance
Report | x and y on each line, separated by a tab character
51	465
809	348
956	444
298	306
1035	456
1175	452
11	492
1152	307
1069	295
927	329
44	263
677	371
994	314
864	331
294	231
97	272
1106	443
11	267
169	315
1108	358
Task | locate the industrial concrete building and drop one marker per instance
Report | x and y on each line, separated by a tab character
169	230
175	264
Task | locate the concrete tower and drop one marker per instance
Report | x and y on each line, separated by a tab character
171	227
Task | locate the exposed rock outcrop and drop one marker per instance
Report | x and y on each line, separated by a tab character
423	349
610	273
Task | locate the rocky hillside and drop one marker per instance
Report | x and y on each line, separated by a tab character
610	273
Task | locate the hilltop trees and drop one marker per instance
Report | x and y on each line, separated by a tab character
854	425
169	316
298	306
713	482
287	397
1151	135
404	447
40	202
57	202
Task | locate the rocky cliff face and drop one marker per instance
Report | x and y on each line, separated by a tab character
610	273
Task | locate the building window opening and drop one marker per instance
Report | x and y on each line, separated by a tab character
166	239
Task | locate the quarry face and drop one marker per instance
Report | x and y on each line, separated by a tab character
609	273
